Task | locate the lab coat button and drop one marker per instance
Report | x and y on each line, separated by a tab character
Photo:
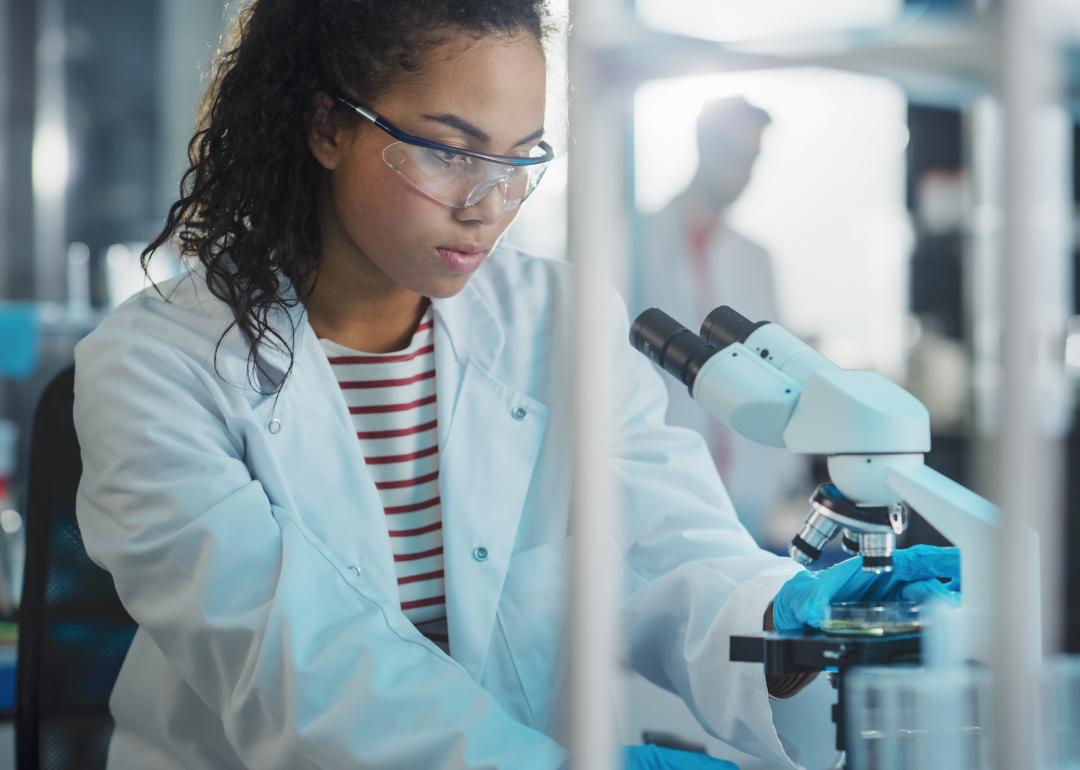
519	413
275	425
480	554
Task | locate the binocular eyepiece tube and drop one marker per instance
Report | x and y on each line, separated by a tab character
680	352
670	345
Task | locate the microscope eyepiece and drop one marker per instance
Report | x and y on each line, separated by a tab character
670	345
724	326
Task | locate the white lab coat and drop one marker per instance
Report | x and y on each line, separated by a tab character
247	539
758	478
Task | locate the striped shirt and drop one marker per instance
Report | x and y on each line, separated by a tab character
391	398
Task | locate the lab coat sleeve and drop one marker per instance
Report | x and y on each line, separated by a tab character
695	576
291	649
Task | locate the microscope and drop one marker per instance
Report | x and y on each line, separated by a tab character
769	386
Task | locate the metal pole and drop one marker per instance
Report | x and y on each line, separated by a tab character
1027	84
596	232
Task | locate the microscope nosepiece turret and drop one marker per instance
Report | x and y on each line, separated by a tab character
869	530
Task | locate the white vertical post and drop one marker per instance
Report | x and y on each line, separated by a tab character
51	161
984	295
190	31
596	227
1028	83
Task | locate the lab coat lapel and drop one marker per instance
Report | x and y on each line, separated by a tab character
489	441
312	400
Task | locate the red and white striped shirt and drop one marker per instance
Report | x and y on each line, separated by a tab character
391	398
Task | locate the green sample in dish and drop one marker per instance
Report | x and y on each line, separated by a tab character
872	618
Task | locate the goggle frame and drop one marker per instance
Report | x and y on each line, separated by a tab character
419	141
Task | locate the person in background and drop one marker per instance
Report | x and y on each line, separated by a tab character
693	262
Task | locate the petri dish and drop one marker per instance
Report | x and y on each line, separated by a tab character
872	618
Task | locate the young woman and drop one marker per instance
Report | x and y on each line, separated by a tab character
328	468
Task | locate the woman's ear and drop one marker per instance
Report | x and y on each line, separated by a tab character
324	134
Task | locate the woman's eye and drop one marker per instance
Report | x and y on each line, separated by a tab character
445	155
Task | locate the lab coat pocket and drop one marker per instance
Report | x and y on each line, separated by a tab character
530	622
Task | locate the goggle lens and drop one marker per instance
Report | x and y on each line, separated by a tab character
461	181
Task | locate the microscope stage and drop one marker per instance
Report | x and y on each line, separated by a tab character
796	652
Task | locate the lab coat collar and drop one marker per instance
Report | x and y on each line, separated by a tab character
471	327
281	347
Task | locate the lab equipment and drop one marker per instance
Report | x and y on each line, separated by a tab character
771	387
455	176
909	718
805	599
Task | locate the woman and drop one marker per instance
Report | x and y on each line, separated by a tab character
327	469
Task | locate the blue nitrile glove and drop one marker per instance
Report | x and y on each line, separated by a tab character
913	579
655	758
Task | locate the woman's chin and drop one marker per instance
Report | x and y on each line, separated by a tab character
444	288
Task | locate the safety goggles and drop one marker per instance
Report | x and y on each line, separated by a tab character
455	176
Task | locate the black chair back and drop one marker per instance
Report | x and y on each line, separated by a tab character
73	631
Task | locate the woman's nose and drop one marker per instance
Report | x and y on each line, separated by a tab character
487	211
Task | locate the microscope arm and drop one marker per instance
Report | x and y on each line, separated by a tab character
967	520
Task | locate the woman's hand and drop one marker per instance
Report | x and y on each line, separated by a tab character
914	578
655	758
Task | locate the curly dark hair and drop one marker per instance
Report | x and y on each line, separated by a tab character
248	201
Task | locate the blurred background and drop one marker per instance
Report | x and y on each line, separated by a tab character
860	206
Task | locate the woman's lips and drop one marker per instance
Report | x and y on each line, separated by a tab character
462	259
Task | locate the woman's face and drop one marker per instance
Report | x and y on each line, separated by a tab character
484	94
